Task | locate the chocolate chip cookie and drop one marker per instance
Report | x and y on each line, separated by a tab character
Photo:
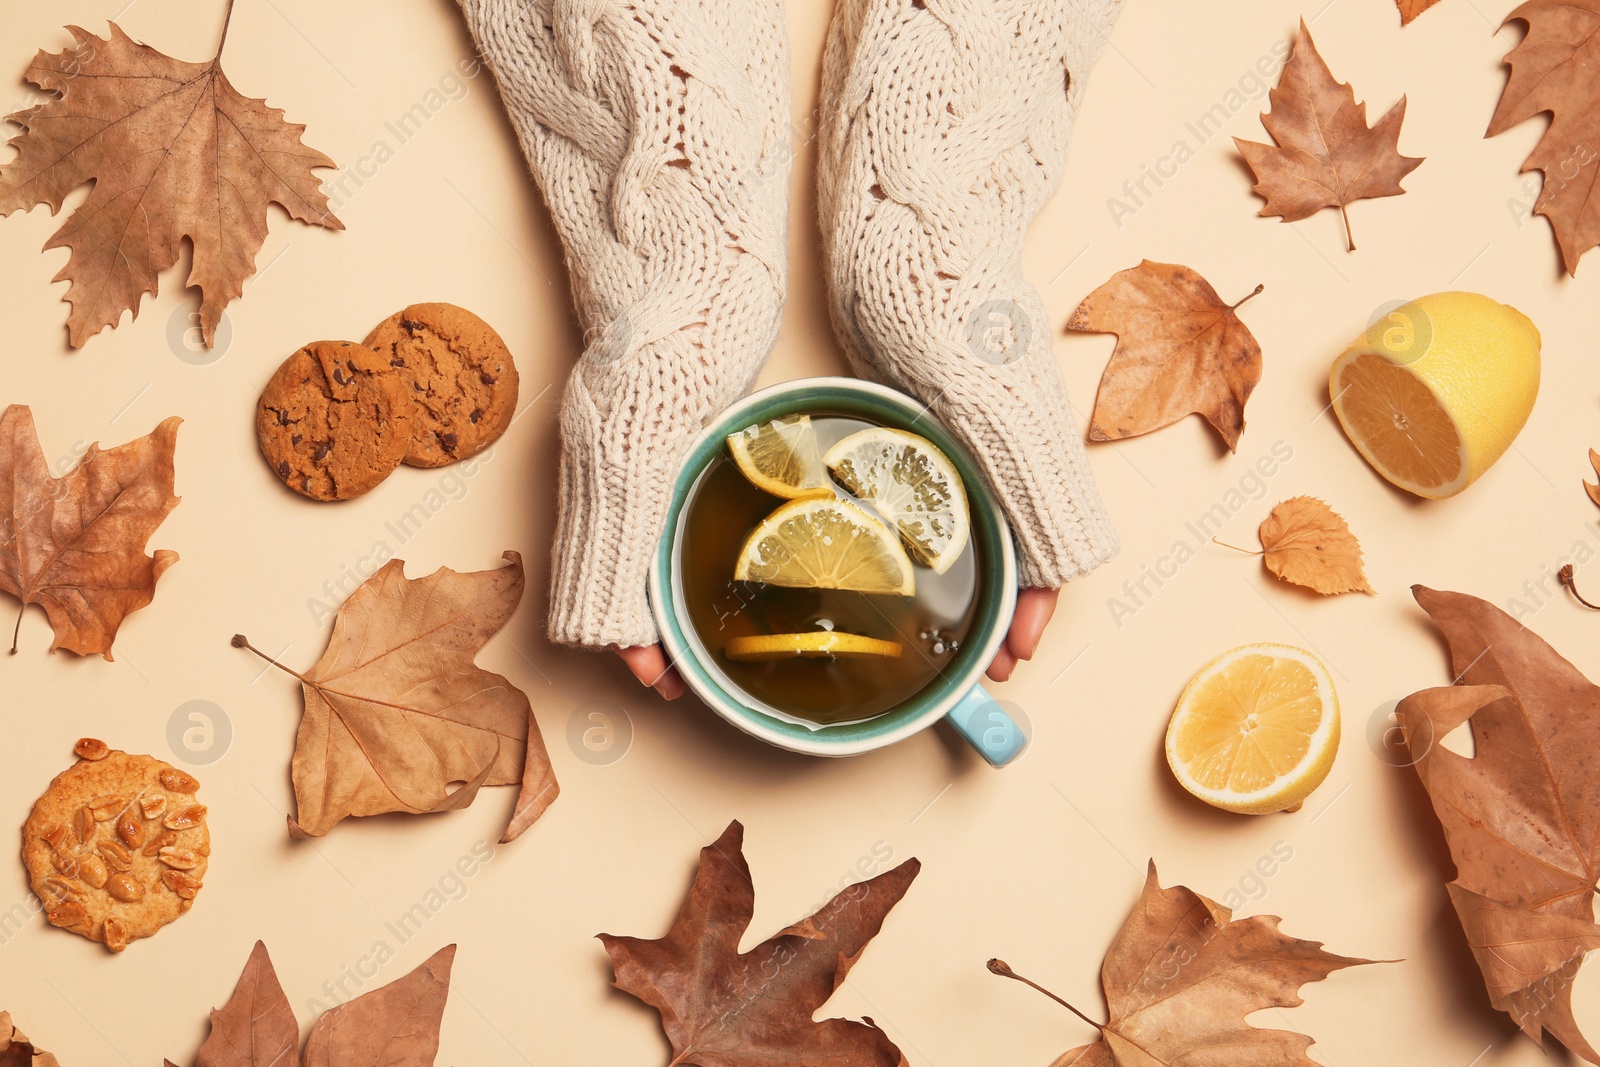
460	375
117	847
335	420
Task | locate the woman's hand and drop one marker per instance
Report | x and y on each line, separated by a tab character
1034	608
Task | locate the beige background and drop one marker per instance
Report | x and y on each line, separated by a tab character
1038	864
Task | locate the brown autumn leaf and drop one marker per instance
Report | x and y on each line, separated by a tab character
173	151
1180	351
396	711
17	1051
1410	9
1182	974
723	1008
396	1025
1325	155
74	545
1592	488
1552	70
1308	543
1522	815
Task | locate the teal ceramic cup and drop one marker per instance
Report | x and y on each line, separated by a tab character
955	696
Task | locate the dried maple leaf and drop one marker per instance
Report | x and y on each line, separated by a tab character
1180	351
1306	542
396	1025
1182	974
396	711
17	1051
1522	815
1326	155
74	545
173	152
1410	9
1553	70
723	1008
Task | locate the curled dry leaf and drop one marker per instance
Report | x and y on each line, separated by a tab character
1410	9
1180	351
1182	974
396	711
396	1025
1592	488
17	1051
74	545
1553	71
1306	542
173	151
1325	155
723	1008
1522	814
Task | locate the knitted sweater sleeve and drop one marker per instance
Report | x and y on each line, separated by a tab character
659	133
944	130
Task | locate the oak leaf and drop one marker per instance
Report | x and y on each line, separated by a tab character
723	1008
1180	351
1410	9
1182	974
74	545
173	151
1326	155
1553	70
1522	814
396	1025
1308	543
396	711
17	1051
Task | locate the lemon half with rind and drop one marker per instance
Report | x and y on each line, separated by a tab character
913	485
826	543
1433	393
813	644
782	457
1256	730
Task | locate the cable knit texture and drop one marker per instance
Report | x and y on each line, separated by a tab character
659	133
944	130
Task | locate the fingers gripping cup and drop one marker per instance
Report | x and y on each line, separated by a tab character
834	575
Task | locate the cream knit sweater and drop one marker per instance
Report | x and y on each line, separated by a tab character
658	131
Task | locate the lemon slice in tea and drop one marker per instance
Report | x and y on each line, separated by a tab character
826	543
911	484
812	645
781	457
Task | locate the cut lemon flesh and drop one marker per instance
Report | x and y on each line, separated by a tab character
1398	425
1256	730
826	543
782	457
911	484
813	644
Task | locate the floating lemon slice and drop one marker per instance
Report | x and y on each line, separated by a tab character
782	457
1433	393
911	484
813	644
826	543
1256	730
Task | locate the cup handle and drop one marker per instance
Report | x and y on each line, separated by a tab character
984	724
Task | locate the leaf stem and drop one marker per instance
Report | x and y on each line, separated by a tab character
1003	969
16	630
1349	235
241	641
1252	293
1236	548
227	18
1564	576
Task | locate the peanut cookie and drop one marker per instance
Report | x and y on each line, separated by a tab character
117	847
335	420
460	374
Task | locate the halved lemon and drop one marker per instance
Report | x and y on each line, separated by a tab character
1434	392
782	457
812	644
911	484
826	543
1256	730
